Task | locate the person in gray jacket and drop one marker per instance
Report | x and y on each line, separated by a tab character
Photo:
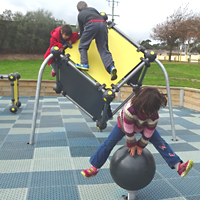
92	26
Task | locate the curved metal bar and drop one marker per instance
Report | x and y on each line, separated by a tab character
169	98
37	96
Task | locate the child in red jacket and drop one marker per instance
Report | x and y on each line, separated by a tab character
59	37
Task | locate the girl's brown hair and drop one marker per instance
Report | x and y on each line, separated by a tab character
148	101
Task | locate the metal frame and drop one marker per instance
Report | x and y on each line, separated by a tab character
166	81
169	98
14	79
37	96
115	89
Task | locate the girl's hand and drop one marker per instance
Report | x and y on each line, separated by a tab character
70	42
132	150
139	150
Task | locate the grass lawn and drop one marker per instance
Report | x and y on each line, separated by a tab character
28	69
180	74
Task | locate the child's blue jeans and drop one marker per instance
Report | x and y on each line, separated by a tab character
103	151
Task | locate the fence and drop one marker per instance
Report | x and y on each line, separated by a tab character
180	58
181	96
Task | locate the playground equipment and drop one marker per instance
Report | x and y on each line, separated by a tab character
13	78
93	91
132	173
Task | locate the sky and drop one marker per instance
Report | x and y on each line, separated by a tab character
136	18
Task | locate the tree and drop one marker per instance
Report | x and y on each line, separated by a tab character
190	33
5	26
29	33
172	29
145	43
7	15
34	31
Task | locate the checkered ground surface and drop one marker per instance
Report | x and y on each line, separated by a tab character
65	139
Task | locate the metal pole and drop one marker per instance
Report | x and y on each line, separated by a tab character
3	76
123	103
169	98
13	93
113	11
131	74
118	95
132	195
37	95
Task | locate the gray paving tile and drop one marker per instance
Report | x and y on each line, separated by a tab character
15	166
11	145
83	142
80	134
197	167
58	193
52	178
71	116
2	137
191	138
64	141
158	189
51	136
14	180
4	131
79	127
22	125
49	164
28	116
121	142
102	191
52	152
19	138
51	121
7	122
13	194
193	197
68	106
182	147
51	143
16	154
185	132
84	151
4	105
50	104
193	182
186	124
50	109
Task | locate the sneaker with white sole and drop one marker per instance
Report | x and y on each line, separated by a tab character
184	168
83	67
91	172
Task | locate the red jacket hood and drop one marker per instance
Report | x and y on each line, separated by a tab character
56	33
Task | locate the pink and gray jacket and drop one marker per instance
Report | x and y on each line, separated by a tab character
131	122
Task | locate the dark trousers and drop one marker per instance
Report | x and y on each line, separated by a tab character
98	31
